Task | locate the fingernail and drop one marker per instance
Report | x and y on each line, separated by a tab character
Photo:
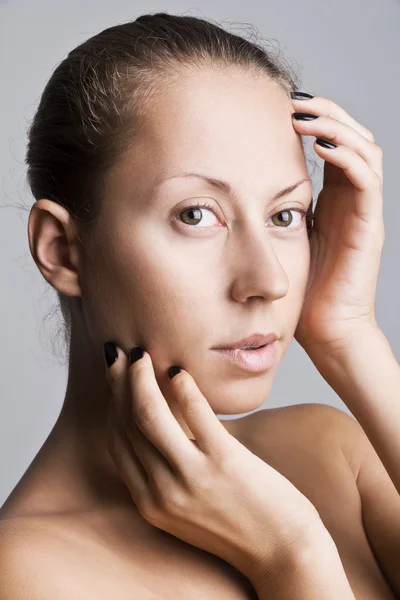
325	143
300	96
135	354
172	371
110	353
300	116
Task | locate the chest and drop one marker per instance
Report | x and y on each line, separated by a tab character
167	568
109	554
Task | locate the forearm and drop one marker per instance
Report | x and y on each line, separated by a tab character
366	376
314	573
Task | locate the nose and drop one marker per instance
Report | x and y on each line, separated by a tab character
257	270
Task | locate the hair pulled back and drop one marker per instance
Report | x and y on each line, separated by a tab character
90	108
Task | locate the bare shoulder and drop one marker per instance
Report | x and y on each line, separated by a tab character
44	558
21	561
313	421
328	430
297	424
313	446
34	562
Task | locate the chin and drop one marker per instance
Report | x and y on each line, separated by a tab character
241	397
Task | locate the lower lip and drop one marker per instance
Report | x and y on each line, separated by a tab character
254	361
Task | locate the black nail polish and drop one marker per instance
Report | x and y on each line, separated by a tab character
325	143
172	371
110	353
300	116
135	354
300	96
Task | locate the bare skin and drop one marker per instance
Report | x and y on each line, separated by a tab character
111	551
143	279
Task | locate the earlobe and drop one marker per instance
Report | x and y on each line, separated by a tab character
53	245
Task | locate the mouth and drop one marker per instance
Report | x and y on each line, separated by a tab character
246	348
254	360
251	342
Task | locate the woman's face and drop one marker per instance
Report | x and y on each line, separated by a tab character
180	281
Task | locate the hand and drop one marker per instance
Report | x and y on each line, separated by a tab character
348	233
211	492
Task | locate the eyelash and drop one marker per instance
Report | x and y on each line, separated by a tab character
203	204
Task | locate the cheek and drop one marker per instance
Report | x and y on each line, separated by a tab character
144	293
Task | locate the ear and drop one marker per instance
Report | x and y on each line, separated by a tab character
53	242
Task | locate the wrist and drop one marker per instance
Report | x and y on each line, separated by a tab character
343	366
312	571
344	348
288	551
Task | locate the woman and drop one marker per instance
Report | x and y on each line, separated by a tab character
161	153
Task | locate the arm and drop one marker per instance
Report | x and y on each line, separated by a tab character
379	499
367	377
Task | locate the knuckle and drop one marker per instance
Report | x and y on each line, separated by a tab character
330	107
330	133
145	413
115	376
186	399
228	463
374	180
189	403
334	137
201	480
196	476
369	135
146	508
204	484
172	500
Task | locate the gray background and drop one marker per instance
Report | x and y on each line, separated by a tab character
346	51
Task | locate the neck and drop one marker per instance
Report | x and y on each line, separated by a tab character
80	435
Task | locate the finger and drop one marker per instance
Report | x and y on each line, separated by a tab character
339	133
128	465
117	378
155	419
369	208
151	460
325	106
211	436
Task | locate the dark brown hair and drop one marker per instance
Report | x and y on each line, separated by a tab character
89	110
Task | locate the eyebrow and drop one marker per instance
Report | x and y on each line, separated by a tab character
228	189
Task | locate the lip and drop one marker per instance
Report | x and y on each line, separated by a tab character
256	339
254	361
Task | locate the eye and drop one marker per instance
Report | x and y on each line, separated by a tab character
289	219
195	213
194	217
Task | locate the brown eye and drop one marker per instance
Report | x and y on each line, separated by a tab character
195	214
285	219
288	218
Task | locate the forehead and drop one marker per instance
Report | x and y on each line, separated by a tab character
223	122
218	108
